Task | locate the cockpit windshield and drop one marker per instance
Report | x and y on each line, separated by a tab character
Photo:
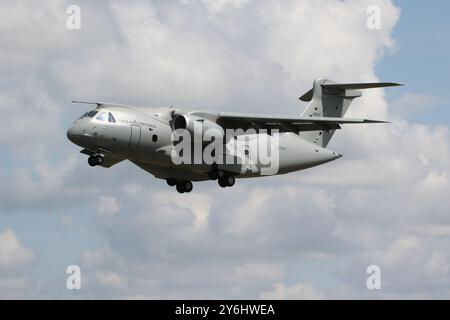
102	116
106	116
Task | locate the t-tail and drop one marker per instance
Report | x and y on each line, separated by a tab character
330	99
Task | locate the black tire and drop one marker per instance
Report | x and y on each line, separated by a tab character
180	187
98	159
188	186
171	181
223	183
91	161
230	180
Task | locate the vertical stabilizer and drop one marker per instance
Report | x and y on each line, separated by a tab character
330	99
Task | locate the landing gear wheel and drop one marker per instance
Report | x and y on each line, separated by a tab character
171	181
188	186
226	181
180	188
184	186
98	159
229	181
222	183
91	161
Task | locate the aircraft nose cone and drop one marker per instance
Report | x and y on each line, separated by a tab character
72	134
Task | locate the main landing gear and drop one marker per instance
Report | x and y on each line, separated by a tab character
181	185
225	179
95	160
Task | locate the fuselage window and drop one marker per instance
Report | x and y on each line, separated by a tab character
102	116
154	138
111	118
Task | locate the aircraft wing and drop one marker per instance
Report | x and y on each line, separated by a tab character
230	120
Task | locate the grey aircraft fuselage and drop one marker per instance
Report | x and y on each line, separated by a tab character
112	133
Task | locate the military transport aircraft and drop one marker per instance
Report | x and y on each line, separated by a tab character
111	133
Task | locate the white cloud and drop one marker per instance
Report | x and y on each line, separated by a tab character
107	206
110	279
199	204
297	292
218	5
402	249
15	257
13	254
266	271
15	287
99	258
411	104
438	265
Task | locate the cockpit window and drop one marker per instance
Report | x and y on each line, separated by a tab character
89	114
84	115
103	116
111	118
106	117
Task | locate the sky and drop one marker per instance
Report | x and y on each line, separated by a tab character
306	235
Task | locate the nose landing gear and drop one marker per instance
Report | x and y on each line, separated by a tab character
95	160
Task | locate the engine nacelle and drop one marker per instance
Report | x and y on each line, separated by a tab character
201	125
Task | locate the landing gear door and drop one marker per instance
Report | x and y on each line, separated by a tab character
135	137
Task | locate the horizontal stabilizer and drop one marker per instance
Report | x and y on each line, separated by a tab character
355	86
348	86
